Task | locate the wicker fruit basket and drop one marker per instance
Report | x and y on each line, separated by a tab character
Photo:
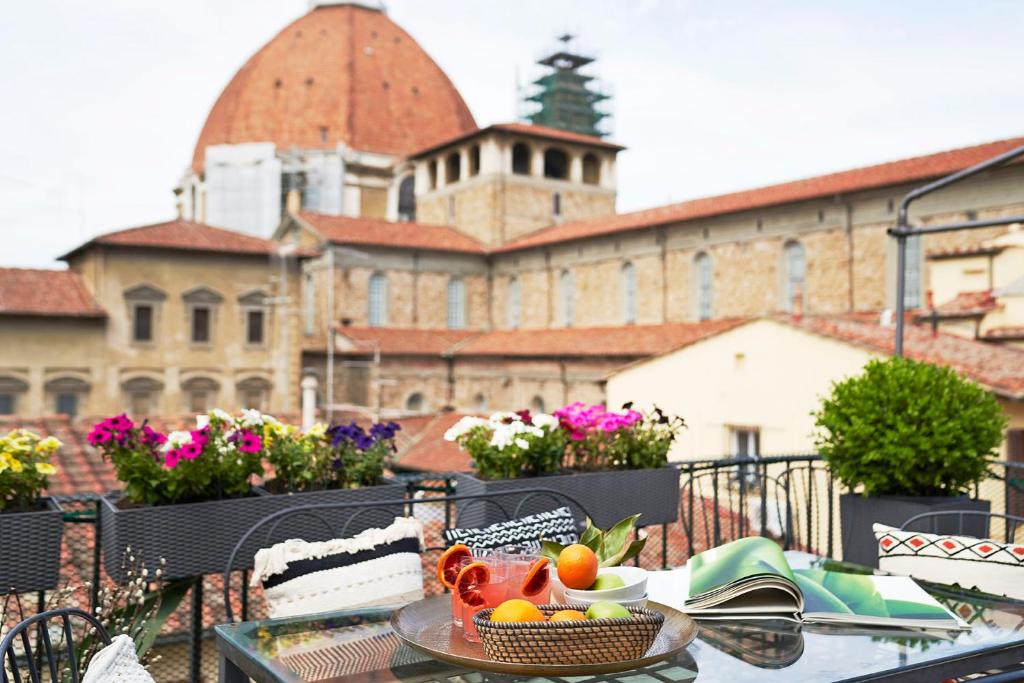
593	641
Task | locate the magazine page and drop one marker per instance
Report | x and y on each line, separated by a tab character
749	576
864	599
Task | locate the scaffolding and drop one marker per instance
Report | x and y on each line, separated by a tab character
566	98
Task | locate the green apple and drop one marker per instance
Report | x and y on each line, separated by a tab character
607	610
604	582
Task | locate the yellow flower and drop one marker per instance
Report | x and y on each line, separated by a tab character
48	445
15	464
45	468
3	462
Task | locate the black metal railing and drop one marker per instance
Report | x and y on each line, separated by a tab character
791	498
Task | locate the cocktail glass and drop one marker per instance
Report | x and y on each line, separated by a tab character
494	592
518	561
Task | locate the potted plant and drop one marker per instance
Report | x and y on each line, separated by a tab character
906	437
188	495
585	451
30	524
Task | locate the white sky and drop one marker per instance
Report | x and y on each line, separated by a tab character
101	101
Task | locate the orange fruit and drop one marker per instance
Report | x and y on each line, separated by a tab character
517	610
569	615
577	567
536	578
448	564
471	579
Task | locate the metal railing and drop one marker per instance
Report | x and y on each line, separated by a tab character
793	499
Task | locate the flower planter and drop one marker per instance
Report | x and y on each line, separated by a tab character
857	514
197	538
607	496
31	560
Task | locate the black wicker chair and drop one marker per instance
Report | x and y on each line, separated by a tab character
45	652
326	521
932	520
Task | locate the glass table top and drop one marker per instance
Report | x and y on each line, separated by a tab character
361	645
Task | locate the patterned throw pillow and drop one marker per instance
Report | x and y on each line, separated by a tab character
117	662
981	563
375	567
556	525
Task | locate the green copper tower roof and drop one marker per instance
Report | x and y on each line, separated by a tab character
566	98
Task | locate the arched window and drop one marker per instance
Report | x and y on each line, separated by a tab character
628	293
407	199
377	300
591	169
415	403
66	394
432	173
912	285
201	393
456	303
565	295
452	168
254	393
142	395
795	271
521	158
515	302
556	164
474	160
537	405
704	285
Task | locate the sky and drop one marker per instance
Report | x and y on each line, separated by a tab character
101	101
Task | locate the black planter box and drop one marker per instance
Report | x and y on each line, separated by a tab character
857	514
197	538
608	496
30	560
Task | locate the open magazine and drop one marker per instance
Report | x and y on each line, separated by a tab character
750	578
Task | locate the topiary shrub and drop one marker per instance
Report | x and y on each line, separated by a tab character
909	429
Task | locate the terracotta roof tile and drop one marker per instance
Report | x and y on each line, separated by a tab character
881	175
998	368
965	305
1007	332
27	291
528	129
185	235
338	75
966	250
371	231
397	341
425	448
631	341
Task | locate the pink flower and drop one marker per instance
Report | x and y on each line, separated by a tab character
191	451
201	436
249	443
151	436
99	435
120	423
171	458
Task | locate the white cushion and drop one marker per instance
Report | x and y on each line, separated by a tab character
117	662
981	563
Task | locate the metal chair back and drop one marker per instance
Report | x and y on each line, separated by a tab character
45	651
320	513
932	519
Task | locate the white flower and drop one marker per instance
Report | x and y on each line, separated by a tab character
522	443
503	417
222	415
545	421
177	440
462	427
202	421
251	418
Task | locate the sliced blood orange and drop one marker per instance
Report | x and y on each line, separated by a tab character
470	582
448	564
537	578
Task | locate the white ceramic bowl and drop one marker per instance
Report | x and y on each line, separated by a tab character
634	578
587	602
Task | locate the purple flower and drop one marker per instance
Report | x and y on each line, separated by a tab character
249	442
364	442
99	435
336	464
191	451
152	437
171	458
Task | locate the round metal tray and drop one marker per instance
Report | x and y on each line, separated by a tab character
426	625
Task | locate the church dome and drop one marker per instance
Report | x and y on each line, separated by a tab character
342	73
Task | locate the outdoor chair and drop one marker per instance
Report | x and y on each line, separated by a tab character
56	658
333	521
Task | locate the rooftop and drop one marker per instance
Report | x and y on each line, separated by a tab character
29	291
372	231
914	169
527	129
182	235
965	305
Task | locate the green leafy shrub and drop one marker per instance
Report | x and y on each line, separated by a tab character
908	428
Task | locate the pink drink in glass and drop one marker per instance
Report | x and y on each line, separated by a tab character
519	564
494	593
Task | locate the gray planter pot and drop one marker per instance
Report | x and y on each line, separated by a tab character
857	514
31	557
607	496
197	538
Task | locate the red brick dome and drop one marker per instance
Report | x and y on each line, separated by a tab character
341	73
